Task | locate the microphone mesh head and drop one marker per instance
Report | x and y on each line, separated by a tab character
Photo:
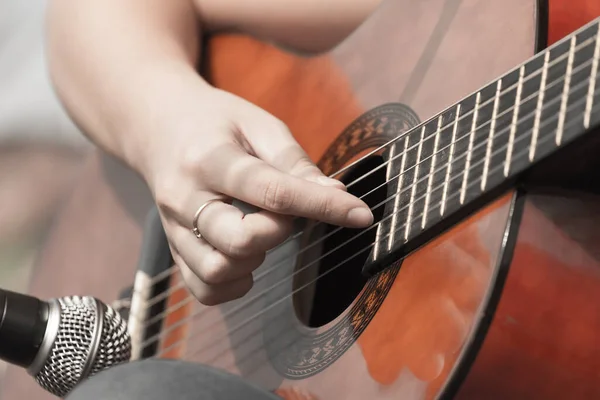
73	356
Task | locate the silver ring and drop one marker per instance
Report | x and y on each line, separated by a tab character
195	229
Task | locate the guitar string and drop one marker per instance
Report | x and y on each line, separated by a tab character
275	335
188	299
437	204
156	318
273	304
577	48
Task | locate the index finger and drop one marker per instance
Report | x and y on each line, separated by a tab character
253	181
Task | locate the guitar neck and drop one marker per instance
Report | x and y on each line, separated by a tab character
464	157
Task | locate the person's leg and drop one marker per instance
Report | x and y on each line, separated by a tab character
167	380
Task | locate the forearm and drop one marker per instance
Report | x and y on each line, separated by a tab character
104	56
311	26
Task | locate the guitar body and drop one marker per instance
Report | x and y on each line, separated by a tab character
504	304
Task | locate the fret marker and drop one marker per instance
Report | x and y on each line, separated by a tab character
490	141
539	107
565	93
413	190
592	87
514	122
450	158
463	190
431	172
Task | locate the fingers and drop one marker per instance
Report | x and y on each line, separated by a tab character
211	265
218	267
272	142
212	294
256	161
252	180
237	235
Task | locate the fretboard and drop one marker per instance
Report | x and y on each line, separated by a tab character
485	141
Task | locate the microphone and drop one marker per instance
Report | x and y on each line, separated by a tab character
63	341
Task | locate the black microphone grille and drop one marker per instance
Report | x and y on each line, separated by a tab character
84	336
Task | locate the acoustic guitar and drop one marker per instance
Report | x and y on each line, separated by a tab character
468	127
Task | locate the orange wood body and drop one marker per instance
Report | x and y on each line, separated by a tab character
543	341
566	16
426	54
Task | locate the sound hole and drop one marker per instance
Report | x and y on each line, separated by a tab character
329	280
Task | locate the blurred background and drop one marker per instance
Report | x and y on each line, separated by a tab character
40	148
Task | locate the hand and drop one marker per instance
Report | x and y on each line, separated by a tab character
221	146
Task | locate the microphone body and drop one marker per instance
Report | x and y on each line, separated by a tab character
63	341
23	322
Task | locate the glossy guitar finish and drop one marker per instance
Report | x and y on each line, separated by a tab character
543	343
500	306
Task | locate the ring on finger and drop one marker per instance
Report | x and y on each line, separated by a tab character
195	229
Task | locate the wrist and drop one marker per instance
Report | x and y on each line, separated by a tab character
158	105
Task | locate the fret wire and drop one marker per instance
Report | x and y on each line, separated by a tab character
388	174
538	111
520	138
388	178
383	146
423	138
414	186
450	159
592	85
398	192
496	114
513	123
565	93
470	150
431	172
490	141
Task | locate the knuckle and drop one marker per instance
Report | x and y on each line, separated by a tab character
214	269
324	207
321	207
194	285
277	196
239	248
165	197
202	291
304	166
171	204
240	244
193	162
279	125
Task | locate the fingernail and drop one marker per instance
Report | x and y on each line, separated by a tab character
360	217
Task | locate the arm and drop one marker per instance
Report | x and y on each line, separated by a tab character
107	56
155	45
125	71
308	25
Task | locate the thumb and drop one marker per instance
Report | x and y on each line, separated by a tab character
273	143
